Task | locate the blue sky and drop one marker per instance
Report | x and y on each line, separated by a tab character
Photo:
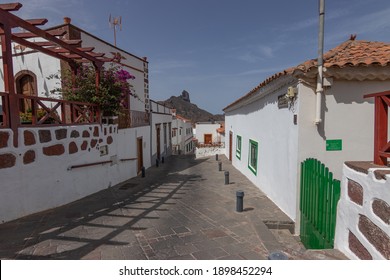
218	50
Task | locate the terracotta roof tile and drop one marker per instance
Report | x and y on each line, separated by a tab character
351	53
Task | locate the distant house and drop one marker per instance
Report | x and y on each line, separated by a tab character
208	133
161	125
182	135
271	130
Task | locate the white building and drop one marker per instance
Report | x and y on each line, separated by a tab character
272	129
210	132
62	163
161	123
182	135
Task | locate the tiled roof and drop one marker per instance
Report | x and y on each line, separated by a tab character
182	118
352	53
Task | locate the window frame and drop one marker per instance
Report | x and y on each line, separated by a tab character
238	147
256	145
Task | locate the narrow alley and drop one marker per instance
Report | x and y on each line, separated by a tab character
180	210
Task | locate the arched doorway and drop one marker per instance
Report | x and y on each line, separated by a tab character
26	84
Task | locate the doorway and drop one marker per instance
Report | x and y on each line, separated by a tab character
230	145
208	138
140	155
158	129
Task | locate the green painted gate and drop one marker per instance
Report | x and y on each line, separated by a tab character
318	205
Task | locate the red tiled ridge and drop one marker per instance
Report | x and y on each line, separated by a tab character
351	53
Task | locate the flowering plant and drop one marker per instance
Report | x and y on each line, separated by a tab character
113	92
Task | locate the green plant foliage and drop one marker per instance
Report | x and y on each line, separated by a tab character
112	94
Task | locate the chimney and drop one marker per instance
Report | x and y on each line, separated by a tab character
67	20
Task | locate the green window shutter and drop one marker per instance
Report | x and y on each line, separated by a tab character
252	157
238	147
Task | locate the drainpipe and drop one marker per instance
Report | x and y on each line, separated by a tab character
320	76
151	133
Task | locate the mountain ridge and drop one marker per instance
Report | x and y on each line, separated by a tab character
190	110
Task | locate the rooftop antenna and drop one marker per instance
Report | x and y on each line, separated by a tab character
115	22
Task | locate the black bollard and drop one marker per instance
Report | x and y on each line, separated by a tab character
157	162
277	256
220	166
226	177
143	171
216	157
240	201
162	159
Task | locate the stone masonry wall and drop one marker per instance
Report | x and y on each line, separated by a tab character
40	174
46	142
363	217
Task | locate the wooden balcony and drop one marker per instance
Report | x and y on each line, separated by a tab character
41	111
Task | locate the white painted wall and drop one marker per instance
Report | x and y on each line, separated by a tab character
49	182
41	65
347	116
348	213
165	147
208	151
183	138
206	128
134	61
277	138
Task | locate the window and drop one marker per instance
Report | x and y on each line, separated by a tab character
252	159
238	147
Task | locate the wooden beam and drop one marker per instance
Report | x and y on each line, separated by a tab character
44	44
27	35
34	46
96	54
11	7
14	20
9	81
377	94
62	50
35	22
38	21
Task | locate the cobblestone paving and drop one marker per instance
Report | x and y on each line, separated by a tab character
181	210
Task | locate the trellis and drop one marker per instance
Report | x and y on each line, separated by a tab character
62	49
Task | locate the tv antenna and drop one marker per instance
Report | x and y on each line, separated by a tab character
115	22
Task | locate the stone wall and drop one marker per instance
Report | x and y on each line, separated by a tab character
208	151
363	217
46	142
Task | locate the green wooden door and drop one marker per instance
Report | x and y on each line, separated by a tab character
318	205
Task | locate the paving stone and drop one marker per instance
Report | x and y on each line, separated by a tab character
181	210
203	255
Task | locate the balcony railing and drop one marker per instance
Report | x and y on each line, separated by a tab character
41	111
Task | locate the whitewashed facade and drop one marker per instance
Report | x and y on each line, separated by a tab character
61	164
160	128
182	135
283	134
207	132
